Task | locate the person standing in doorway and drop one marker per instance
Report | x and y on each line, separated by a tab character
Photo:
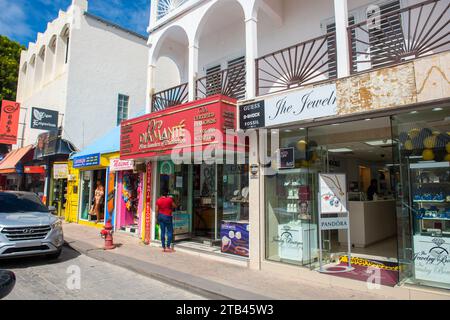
99	200
372	190
164	208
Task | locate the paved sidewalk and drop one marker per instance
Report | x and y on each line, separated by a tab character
207	277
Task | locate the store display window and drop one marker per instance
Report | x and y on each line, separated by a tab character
291	213
130	187
424	157
92	196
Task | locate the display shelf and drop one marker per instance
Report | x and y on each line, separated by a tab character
430	201
444	219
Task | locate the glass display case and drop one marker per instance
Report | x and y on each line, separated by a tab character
430	186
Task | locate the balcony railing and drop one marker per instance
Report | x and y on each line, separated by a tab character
170	97
401	35
307	62
167	6
228	82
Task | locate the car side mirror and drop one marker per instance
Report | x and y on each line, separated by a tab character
52	209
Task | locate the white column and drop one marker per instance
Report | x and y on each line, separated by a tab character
255	207
251	47
60	55
193	71
150	88
342	45
153	13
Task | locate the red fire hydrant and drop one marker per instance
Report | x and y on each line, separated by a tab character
107	234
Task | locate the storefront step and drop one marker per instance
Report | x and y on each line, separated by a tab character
208	252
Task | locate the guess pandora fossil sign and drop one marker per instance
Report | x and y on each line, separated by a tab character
290	107
198	124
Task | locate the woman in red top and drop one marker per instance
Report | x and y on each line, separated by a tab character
164	208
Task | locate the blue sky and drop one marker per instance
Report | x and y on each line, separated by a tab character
21	20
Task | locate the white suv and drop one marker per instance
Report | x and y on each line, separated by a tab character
27	228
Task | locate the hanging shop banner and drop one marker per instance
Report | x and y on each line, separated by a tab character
432	259
9	122
333	193
86	161
60	171
148	204
191	127
121	165
293	106
44	119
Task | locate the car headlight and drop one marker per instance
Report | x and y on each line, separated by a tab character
57	224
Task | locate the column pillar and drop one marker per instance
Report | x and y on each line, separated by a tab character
342	45
150	90
193	71
251	48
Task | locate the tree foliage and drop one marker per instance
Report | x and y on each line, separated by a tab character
9	67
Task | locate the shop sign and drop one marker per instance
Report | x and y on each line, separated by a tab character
290	107
336	223
432	259
333	193
194	125
86	161
46	144
121	165
44	119
286	158
34	169
60	171
9	122
252	115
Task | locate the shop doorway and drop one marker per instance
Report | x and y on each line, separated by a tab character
58	193
212	204
87	196
363	151
130	185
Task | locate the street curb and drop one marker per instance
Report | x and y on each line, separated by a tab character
203	287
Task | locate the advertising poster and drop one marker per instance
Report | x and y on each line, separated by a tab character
9	122
333	193
60	171
286	158
235	238
432	259
181	223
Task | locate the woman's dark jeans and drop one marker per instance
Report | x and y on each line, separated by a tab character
166	224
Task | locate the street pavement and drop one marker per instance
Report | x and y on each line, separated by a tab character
78	277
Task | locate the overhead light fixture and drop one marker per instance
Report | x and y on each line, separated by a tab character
378	143
414	112
438	109
340	150
368	119
302	129
288	130
336	124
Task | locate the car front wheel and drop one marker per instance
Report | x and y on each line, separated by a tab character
7	282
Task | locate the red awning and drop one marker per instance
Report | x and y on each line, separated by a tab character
8	165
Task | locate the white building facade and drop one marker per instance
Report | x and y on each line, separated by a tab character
91	71
381	68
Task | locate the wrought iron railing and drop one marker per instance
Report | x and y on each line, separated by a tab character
228	82
304	63
170	97
401	35
167	6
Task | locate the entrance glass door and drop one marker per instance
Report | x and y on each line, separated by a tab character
205	202
86	194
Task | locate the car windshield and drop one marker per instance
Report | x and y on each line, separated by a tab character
11	203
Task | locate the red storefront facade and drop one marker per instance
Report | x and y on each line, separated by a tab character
175	144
